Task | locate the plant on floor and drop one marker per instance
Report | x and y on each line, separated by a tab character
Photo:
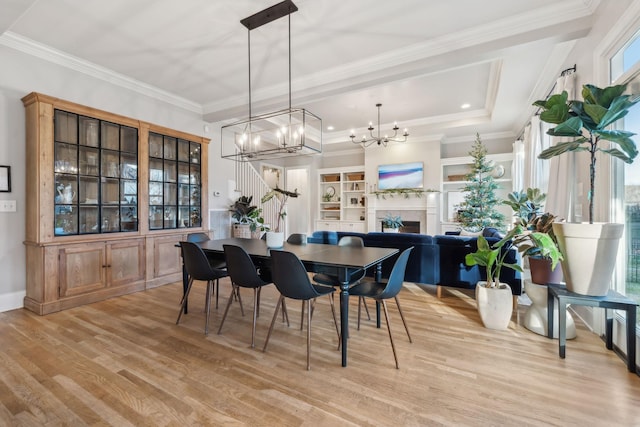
493	258
479	209
587	121
533	235
256	221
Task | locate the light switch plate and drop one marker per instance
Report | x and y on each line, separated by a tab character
7	205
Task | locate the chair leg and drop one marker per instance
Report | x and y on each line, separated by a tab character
366	309
256	298
185	297
217	291
208	306
335	319
393	347
239	300
285	313
273	321
406	328
439	291
302	315
226	310
360	302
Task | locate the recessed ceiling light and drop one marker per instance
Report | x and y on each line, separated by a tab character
465	106
329	127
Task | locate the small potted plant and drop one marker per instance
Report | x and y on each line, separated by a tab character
391	223
241	210
587	123
256	223
494	298
534	236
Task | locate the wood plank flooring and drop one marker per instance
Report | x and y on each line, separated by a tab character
124	362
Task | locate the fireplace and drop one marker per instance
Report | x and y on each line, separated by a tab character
407	227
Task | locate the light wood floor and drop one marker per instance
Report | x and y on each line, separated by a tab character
125	362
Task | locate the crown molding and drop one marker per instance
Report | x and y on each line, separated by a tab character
485	137
55	56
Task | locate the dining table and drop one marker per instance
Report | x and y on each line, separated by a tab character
339	261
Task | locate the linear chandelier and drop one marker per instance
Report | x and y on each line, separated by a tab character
284	133
378	139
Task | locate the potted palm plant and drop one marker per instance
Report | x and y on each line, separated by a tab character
587	123
535	238
494	298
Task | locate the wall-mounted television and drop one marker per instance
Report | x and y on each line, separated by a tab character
403	175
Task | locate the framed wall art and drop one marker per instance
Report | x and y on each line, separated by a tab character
5	179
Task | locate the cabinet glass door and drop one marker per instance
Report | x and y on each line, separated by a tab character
96	175
174	182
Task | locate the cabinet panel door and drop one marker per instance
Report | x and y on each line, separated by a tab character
167	259
82	269
328	225
126	261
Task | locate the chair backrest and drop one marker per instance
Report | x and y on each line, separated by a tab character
352	241
197	237
396	278
297	239
240	267
197	264
290	276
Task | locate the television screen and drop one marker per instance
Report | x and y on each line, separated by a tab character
404	175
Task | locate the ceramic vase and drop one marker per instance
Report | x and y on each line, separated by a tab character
495	305
590	252
275	239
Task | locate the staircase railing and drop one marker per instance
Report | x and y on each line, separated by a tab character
249	182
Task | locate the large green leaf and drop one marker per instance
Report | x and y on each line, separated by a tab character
555	114
560	148
622	138
570	127
617	110
619	154
595	111
577	109
604	97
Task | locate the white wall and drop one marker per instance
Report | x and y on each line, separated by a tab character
21	74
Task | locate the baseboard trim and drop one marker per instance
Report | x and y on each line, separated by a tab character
12	301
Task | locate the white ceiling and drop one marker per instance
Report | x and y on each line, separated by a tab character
421	59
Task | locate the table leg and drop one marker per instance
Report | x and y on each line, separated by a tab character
344	315
631	338
378	278
550	308
562	327
608	330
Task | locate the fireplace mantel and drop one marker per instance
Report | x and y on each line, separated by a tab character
425	209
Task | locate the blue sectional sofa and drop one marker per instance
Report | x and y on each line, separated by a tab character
437	260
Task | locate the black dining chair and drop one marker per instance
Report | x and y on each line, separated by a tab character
292	281
297	239
330	280
381	291
198	268
213	260
243	274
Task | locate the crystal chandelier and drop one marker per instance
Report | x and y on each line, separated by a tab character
285	133
378	139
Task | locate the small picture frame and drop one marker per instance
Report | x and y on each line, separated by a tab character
5	179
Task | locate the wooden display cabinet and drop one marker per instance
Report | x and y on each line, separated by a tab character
88	234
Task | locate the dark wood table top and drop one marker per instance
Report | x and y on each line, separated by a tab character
319	254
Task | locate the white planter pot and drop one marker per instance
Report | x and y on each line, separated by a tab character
390	230
536	318
275	239
495	305
590	252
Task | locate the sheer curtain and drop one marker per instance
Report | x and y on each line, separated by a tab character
561	194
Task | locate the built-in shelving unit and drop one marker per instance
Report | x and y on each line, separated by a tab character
342	204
